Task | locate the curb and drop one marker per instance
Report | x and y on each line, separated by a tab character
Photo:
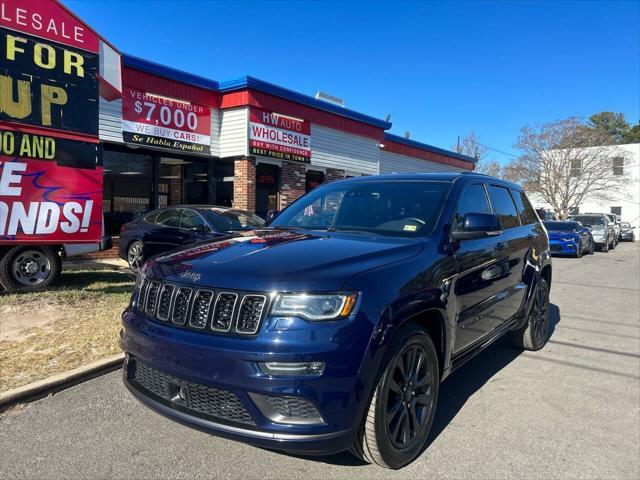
61	381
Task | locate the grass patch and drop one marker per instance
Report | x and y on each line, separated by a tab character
50	332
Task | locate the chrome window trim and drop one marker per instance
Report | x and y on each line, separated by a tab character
264	303
147	310
233	310
175	289
188	306
192	304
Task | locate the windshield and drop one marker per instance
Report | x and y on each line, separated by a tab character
589	220
404	208
562	226
233	220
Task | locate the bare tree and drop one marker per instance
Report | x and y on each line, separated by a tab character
564	163
470	146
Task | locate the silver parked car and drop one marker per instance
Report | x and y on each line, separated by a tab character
602	229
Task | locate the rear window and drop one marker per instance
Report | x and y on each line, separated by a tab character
504	207
525	210
169	218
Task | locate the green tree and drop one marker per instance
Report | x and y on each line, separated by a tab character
611	123
633	135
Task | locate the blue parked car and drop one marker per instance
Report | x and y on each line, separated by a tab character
167	228
569	238
331	328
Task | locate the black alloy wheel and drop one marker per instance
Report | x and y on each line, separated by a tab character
535	332
409	397
396	425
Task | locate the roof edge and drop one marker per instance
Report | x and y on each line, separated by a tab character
429	148
169	72
282	92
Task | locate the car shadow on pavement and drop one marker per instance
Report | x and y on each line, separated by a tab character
457	389
460	385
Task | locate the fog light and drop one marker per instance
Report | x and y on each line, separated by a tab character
291	369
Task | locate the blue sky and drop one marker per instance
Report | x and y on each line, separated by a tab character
441	69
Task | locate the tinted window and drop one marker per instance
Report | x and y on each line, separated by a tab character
151	217
525	210
403	208
504	207
169	217
562	226
191	219
472	200
233	220
588	220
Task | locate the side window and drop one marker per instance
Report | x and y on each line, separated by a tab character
169	218
504	207
151	217
525	210
191	219
472	200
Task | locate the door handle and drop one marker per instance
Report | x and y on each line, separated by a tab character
501	246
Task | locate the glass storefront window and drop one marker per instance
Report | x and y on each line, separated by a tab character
128	181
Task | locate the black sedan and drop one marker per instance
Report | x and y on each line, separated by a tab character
170	227
626	232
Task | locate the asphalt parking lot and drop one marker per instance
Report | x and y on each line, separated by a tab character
569	411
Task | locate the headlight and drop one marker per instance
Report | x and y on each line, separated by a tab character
314	307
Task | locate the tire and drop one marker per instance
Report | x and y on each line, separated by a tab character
535	333
605	247
592	247
29	268
579	250
613	244
392	440
135	256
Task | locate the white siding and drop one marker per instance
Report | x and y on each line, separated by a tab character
110	120
234	132
397	163
215	132
345	151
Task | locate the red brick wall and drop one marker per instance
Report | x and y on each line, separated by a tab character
244	184
292	182
111	253
176	185
333	174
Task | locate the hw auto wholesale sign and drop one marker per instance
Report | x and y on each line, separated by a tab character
50	178
159	121
280	136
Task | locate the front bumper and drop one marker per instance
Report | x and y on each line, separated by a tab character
230	364
562	247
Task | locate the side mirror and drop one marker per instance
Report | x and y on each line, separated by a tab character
271	214
478	225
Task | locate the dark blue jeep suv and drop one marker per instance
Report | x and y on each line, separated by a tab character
332	327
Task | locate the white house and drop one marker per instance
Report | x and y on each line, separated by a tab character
624	202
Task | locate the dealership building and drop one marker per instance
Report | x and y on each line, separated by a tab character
169	137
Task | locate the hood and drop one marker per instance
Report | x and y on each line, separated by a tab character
561	233
282	260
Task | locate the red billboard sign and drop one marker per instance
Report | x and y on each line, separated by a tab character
276	135
47	19
160	121
45	200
